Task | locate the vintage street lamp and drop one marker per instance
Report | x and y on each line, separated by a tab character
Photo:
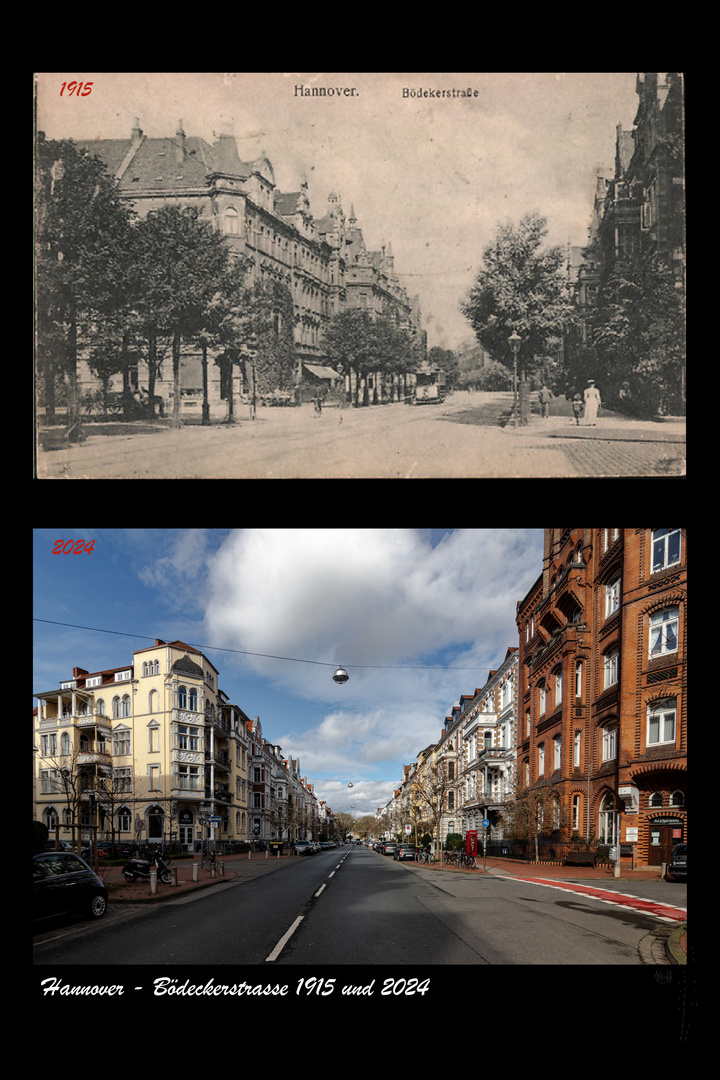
341	675
514	343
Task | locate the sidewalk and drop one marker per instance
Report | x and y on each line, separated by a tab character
235	866
602	877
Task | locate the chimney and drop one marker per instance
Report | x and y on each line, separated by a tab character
136	132
180	144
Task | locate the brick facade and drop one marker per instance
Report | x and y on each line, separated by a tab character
602	676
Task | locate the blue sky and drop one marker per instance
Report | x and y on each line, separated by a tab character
416	616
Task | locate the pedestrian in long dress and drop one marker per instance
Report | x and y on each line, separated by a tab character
592	402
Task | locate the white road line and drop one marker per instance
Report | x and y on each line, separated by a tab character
284	940
319	890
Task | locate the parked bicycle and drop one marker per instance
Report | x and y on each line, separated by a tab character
426	856
209	860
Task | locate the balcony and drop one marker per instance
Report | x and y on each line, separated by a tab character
95	757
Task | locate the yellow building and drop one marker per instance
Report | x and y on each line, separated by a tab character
153	752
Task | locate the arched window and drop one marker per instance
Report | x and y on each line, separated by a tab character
116	707
193	699
65	744
125	705
231	221
182	697
100	707
606	820
677	798
656	799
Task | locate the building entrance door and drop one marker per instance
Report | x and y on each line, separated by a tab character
664	834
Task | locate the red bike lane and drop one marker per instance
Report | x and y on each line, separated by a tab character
608	896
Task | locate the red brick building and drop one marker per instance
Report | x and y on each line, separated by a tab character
602	686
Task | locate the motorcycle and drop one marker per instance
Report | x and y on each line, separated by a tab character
140	868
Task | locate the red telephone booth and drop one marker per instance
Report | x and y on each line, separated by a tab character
471	843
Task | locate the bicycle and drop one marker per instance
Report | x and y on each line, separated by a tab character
426	857
209	861
467	862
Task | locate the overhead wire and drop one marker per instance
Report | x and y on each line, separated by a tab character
265	656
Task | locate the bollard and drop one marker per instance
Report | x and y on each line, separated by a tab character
222	869
196	870
153	882
266	853
173	872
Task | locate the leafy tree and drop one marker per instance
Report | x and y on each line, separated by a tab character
82	234
363	344
638	331
180	259
447	361
522	287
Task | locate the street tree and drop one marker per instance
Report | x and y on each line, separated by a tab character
82	238
357	342
638	334
522	287
180	260
534	812
428	791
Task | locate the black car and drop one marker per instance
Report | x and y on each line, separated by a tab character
677	869
64	884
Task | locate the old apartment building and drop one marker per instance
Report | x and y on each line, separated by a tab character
321	263
155	752
602	669
586	718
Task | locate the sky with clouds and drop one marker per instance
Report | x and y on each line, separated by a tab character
432	176
416	616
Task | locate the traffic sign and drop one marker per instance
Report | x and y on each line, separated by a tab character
485	822
214	820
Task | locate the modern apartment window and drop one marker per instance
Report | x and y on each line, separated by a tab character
557	752
612	597
666	548
662	721
609	742
611	665
664	631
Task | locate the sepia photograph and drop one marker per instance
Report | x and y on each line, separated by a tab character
359	275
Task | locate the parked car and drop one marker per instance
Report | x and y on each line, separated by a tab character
389	848
304	847
63	846
405	851
64	884
677	869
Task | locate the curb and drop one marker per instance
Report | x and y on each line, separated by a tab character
676	945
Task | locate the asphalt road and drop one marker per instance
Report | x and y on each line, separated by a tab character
459	438
352	906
